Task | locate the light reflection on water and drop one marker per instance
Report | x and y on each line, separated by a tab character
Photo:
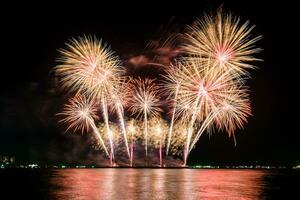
173	184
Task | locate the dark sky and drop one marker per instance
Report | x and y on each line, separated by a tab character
28	103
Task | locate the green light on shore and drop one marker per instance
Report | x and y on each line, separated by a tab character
204	166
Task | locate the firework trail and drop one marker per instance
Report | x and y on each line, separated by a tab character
110	134
144	102
79	114
133	130
170	133
171	86
119	100
159	132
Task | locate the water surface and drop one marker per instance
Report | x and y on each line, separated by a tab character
185	184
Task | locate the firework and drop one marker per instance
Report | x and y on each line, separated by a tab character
90	67
223	38
204	90
198	89
144	102
133	131
158	129
79	114
178	138
111	133
234	111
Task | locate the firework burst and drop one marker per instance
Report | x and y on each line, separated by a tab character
223	38
88	66
198	90
79	114
234	111
144	102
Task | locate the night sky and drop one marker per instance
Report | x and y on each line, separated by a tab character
29	101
